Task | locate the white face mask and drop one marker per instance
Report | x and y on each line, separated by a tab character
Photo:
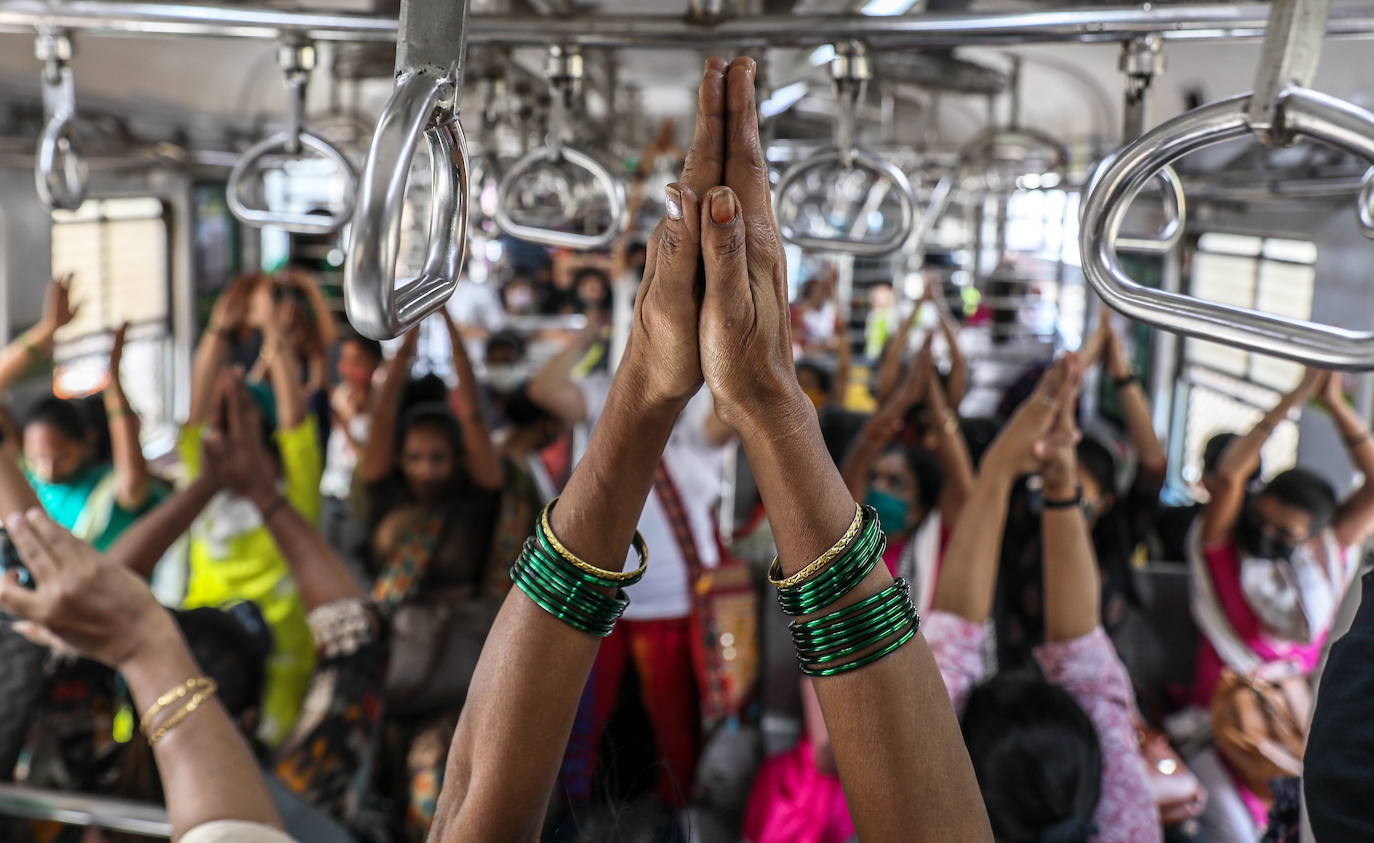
520	300
507	377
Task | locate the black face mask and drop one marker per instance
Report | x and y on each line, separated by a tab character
1256	542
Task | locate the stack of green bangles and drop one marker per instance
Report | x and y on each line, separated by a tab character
856	635
568	588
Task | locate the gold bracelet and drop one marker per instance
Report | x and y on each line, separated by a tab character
825	558
177	719
570	557
192	684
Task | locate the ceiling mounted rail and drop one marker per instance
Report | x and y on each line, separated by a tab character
1204	21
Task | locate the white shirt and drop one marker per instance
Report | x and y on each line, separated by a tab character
695	466
341	459
477	305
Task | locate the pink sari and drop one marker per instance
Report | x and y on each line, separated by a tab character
793	802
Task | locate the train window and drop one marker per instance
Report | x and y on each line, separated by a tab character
118	252
1227	389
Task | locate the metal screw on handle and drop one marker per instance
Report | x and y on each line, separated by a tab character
60	176
429	69
297	59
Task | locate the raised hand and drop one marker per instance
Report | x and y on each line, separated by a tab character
1331	390
746	340
1026	443
1060	449
117	350
58	310
233	451
82	601
662	351
262	309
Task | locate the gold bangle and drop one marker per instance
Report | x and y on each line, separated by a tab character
192	684
825	558
951	421
587	567
177	719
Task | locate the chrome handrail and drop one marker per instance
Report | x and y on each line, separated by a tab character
297	59
429	68
565	74
61	173
850	73
80	809
1281	109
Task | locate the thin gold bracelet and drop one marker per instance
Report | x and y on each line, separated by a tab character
180	691
825	558
177	719
575	561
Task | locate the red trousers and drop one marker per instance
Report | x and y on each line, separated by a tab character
662	655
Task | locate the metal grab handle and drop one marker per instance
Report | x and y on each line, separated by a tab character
886	172
375	305
609	184
61	173
245	171
1305	113
1175	216
429	67
297	59
1366	201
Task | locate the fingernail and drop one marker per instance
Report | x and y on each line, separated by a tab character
672	197
751	67
723	206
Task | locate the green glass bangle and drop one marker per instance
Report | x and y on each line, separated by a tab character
565	571
564	597
870	631
818	624
865	660
562	611
839	580
874	635
609	579
577	594
863	540
862	630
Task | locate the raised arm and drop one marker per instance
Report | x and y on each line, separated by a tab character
515	725
968	579
140	547
283	366
1073	592
880	429
951	452
1355	520
131	468
890	367
1135	405
1240	460
910	779
553	386
84	602
227	319
36	343
234	451
480	457
380	454
957	387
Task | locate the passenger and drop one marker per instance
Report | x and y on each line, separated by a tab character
816	315
908	781
232	555
591	291
918	491
1056	757
883	319
312	334
1268	570
94	494
430	483
893	358
350	406
1174	523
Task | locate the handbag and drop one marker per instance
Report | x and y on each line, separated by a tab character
1260	727
435	639
725	616
1177	792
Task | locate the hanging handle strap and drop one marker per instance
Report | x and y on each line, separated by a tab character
61	173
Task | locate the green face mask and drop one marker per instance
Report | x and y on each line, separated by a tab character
893	512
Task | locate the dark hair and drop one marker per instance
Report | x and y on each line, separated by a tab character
370	347
521	411
604	302
807	287
839	428
67	417
929	479
97	427
232	648
1213	450
820	370
1037	758
979	434
429	389
1305	490
1098	460
1113	542
506	339
1020	389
